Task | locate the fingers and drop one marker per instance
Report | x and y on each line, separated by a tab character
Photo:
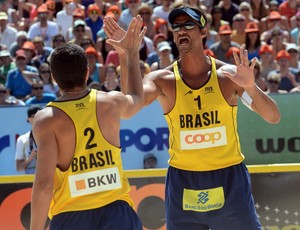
242	59
109	26
135	26
236	58
254	60
244	56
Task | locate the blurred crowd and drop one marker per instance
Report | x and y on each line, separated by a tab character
31	29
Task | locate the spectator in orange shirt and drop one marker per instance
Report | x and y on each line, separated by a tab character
288	8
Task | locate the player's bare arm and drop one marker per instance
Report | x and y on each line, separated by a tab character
128	49
46	164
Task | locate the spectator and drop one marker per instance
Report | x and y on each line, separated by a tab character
94	20
6	65
259	80
293	20
259	8
145	68
64	18
51	10
104	6
153	56
161	26
96	70
162	11
111	81
129	13
246	10
8	34
44	28
278	40
86	42
238	29
229	54
16	83
30	52
42	51
229	9
220	48
289	76
293	51
26	149
294	34
78	32
58	40
150	161
146	13
50	86
116	12
22	37
274	19
267	61
164	53
76	35
252	43
12	16
44	75
274	23
6	99
217	20
38	95
212	35
146	48
273	81
31	8
112	58
288	8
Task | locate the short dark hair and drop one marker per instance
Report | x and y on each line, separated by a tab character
69	66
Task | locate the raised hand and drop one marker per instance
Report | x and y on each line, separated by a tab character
112	29
128	42
243	74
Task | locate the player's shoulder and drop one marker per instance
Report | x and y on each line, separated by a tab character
160	74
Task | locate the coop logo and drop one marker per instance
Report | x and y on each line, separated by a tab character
200	139
93	182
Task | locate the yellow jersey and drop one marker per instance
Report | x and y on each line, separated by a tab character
203	127
95	176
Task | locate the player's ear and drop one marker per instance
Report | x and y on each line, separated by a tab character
87	73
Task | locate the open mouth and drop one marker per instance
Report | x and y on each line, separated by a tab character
183	41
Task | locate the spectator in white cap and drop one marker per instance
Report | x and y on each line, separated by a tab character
8	34
78	32
165	57
6	64
293	51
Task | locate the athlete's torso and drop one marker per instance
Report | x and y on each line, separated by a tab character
95	176
203	127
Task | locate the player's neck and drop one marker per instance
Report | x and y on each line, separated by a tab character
75	93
